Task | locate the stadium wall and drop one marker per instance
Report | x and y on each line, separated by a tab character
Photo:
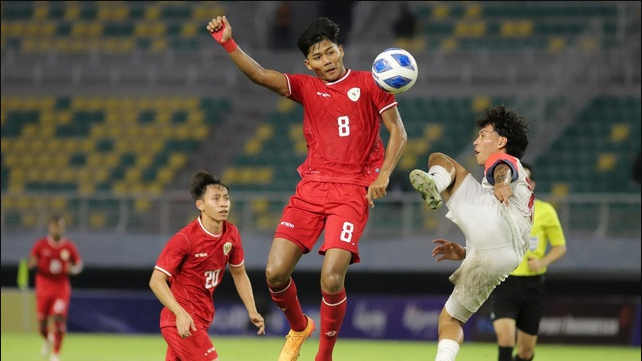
570	320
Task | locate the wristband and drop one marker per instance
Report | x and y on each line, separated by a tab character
229	45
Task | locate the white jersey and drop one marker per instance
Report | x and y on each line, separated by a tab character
485	221
496	235
519	211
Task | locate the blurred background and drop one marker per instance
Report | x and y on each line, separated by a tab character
109	107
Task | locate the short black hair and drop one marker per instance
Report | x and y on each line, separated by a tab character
507	124
200	180
318	30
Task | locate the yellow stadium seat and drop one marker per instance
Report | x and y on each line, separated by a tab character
29	220
620	132
264	175
266	221
142	205
97	219
31	104
15	187
58	203
152	12
195	117
177	160
560	189
5	146
433	131
26	203
285	105
155	187
190	30
441	11
606	162
165	175
473	11
480	103
449	44
430	223
230	175
516	28
470	28
133	175
86	188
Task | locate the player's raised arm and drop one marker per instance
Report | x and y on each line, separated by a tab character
221	31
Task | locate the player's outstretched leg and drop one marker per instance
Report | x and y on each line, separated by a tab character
294	341
425	185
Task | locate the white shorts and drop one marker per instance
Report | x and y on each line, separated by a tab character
493	250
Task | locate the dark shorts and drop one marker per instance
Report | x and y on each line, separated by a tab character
521	299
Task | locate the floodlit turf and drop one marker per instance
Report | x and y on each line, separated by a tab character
114	347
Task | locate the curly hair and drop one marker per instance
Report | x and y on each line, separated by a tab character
507	124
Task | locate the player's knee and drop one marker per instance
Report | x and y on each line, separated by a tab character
276	278
436	158
332	283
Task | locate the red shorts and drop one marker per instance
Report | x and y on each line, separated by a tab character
341	209
197	347
52	301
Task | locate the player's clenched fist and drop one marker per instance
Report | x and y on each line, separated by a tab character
221	30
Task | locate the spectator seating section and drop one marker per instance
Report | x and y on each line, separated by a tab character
121	145
597	148
271	156
92	146
596	153
157	26
105	26
512	25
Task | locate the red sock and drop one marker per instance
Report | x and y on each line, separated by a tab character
333	310
59	333
286	299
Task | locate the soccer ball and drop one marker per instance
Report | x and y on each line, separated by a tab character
395	70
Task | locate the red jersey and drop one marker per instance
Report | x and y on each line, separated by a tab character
341	125
194	260
54	259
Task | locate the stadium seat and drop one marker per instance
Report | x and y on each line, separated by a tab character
548	26
596	150
107	27
97	144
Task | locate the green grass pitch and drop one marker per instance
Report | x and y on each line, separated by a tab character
116	347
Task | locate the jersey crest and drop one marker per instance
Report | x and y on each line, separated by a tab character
354	94
227	247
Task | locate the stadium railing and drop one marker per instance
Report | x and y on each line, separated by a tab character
400	214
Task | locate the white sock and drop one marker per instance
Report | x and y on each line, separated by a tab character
441	176
447	350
